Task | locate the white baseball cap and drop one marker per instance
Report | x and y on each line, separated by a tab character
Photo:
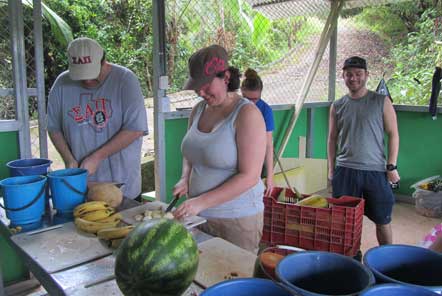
85	56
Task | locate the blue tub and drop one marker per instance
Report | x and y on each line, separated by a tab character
397	290
246	287
68	188
24	200
406	265
29	167
322	273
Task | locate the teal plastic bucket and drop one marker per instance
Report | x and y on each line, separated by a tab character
406	265
24	200
316	273
246	287
29	167
68	189
397	290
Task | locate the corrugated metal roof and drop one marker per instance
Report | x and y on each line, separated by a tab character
275	9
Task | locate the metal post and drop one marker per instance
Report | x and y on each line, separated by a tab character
19	74
159	71
39	73
332	64
310	133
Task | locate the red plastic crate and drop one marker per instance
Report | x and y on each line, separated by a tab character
335	229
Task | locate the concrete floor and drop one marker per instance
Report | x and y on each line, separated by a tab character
408	226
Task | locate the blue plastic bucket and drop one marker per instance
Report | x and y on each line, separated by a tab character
316	273
407	265
68	188
397	290
24	199
29	167
246	287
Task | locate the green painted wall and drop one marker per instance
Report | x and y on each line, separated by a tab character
320	132
282	118
175	131
13	268
9	151
420	153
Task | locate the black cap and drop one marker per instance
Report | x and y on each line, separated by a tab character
355	62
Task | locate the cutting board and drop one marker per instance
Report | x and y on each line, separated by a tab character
220	260
61	248
129	214
110	288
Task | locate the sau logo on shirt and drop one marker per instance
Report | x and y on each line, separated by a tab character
96	112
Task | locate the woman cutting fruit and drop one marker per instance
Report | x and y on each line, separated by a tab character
223	153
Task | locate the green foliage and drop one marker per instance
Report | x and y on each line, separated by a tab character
60	29
409	28
123	28
414	61
376	18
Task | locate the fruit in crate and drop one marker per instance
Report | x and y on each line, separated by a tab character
435	185
315	201
107	192
158	257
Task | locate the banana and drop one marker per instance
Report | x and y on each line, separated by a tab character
91	226
97	215
315	201
89	207
114	232
111	218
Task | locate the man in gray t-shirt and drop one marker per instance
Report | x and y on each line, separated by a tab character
356	159
97	118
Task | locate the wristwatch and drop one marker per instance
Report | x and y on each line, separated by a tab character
391	167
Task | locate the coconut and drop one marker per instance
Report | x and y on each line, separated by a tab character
107	192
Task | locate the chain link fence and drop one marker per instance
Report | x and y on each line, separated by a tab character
7	104
281	49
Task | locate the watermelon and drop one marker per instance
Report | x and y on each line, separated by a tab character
159	257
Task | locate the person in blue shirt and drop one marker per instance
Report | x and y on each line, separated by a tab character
251	88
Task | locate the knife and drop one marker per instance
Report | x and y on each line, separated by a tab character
172	204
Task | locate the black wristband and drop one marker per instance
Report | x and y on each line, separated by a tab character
391	167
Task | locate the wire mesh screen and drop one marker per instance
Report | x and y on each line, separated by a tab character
7	102
31	80
281	50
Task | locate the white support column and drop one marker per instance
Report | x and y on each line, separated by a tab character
39	73
19	75
159	90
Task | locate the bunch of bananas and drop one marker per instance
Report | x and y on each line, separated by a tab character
99	217
95	215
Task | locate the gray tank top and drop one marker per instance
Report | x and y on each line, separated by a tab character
360	126
214	159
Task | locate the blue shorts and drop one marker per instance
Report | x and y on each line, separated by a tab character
373	186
